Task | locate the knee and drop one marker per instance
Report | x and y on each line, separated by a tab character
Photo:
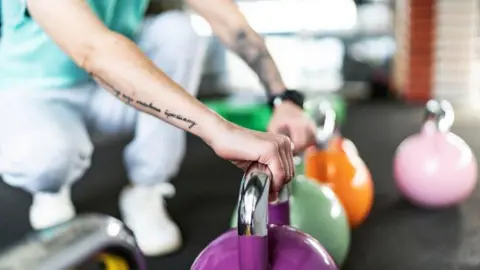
43	163
175	47
175	29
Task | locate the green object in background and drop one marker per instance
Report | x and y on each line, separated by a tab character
337	102
299	165
252	115
316	210
256	115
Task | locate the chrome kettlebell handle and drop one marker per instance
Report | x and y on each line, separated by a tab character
441	113
253	201
325	120
72	243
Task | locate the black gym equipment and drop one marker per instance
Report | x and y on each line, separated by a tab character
88	242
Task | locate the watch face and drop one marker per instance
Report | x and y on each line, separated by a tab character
294	96
277	101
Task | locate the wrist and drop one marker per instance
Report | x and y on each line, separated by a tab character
213	126
276	89
290	96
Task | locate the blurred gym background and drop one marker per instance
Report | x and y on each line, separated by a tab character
320	46
386	58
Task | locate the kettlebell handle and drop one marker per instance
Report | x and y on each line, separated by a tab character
253	201
252	218
325	120
441	113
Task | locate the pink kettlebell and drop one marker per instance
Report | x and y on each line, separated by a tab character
258	245
435	168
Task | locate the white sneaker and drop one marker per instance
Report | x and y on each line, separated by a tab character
51	209
143	211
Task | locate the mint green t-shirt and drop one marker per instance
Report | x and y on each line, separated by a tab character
29	58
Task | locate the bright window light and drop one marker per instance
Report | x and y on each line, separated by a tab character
291	16
297	15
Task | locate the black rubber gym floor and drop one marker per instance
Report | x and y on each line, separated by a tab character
396	236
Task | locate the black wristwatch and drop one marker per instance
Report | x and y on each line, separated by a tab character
294	96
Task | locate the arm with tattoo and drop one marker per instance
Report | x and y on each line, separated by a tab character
251	48
229	24
119	65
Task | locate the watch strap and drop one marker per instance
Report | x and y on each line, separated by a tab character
295	96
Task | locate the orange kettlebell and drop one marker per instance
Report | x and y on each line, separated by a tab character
345	145
335	161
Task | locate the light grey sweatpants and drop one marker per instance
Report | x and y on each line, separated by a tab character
46	135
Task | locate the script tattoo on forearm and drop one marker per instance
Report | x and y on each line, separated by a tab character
149	105
126	98
182	118
112	89
254	52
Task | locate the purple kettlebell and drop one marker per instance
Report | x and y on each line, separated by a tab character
256	245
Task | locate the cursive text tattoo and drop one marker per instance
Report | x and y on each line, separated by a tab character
148	105
126	98
179	117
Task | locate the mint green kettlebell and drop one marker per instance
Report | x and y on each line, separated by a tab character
316	210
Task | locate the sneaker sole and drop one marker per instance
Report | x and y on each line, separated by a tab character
164	250
36	225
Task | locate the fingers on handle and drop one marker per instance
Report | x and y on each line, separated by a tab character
281	162
278	173
299	139
283	154
287	146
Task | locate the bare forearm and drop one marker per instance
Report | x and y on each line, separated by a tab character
124	71
229	24
120	66
251	47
